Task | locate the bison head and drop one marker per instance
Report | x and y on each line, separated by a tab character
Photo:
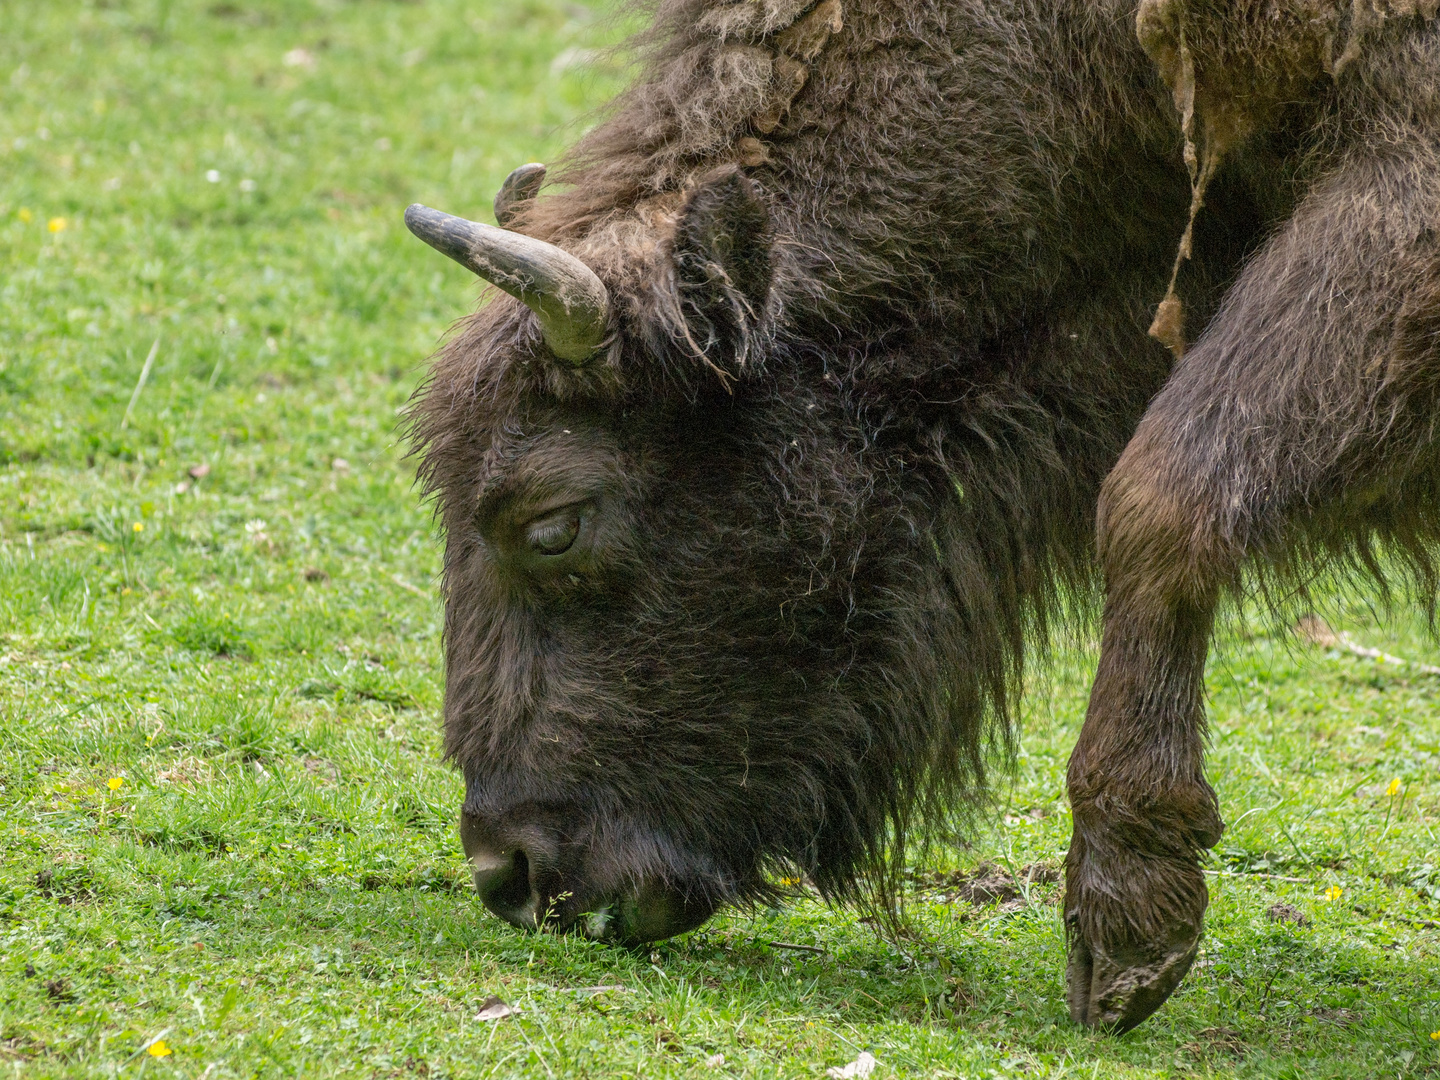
708	625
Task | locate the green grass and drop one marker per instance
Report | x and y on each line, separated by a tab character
276	888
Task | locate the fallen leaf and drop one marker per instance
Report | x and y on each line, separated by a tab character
494	1008
862	1066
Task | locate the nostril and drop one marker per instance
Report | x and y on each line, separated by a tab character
503	885
517	889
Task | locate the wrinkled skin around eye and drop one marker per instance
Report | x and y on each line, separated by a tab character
554	533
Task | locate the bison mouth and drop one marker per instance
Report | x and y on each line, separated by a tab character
533	885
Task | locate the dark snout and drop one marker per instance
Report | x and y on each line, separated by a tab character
533	880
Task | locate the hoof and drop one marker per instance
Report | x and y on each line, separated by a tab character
1135	900
1115	993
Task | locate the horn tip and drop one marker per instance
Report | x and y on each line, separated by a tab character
519	188
432	226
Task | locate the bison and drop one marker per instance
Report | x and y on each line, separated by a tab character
830	372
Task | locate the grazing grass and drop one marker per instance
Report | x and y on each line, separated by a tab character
226	839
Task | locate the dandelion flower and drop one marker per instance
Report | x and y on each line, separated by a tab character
24	215
1394	788
1334	893
115	782
139	526
1435	1035
159	1049
57	224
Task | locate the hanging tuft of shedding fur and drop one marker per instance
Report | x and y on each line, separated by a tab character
1231	66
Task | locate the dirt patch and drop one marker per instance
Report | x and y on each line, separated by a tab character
1287	913
18	1048
990	883
1216	1040
59	990
321	769
186	772
66	884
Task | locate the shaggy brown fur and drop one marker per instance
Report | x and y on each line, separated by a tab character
881	274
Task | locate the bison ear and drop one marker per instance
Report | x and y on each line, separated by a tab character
722	263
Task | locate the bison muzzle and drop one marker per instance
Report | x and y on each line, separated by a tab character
831	372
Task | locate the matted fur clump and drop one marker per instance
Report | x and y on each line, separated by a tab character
1232	65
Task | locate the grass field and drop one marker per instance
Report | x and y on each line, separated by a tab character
227	843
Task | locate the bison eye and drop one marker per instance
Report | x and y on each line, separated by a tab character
554	533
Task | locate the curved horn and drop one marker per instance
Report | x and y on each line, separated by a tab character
572	304
520	186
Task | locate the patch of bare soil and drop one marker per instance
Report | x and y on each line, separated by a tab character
1287	913
1214	1040
990	883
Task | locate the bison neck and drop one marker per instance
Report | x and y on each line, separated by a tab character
983	168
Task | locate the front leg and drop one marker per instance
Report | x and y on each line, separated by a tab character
1304	419
1143	812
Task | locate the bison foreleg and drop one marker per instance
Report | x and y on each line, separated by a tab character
1143	812
1303	419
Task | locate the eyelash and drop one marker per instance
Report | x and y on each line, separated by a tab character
555	533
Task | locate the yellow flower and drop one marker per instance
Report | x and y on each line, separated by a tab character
24	215
139	526
1435	1034
102	547
57	224
1394	788
159	1049
789	882
114	782
1333	893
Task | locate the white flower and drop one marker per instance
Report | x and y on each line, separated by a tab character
213	175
